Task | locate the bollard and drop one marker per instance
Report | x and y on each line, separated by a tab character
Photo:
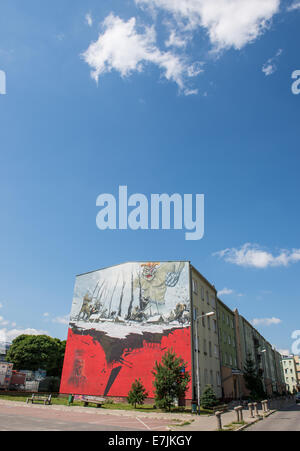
251	407
241	415
255	409
219	420
237	411
264	407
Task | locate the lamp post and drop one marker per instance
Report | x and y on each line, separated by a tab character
197	359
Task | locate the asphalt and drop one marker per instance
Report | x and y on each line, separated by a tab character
286	420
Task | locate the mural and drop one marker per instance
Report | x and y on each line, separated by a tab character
123	319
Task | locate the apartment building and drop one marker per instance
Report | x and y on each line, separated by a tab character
230	373
205	343
297	362
290	373
250	343
125	317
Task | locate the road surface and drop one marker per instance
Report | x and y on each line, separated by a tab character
20	417
285	420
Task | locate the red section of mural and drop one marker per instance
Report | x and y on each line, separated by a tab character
87	372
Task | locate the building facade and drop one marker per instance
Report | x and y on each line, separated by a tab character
231	374
297	362
290	373
205	345
251	344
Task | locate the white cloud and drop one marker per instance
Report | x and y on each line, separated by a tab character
121	47
225	291
89	19
1	305
46	314
266	321
271	65
176	39
251	255
62	319
294	6
10	335
229	23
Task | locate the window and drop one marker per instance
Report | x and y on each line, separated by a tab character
229	340
208	322
211	377
224	337
227	320
218	379
212	301
202	293
232	324
215	325
203	319
195	286
210	349
230	360
216	351
207	297
205	347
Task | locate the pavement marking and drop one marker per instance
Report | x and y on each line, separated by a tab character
143	424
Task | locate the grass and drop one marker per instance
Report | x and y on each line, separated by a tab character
234	425
107	405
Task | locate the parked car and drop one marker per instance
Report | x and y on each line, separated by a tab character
298	398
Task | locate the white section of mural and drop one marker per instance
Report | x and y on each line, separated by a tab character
133	297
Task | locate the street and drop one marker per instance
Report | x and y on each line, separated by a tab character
285	420
20	417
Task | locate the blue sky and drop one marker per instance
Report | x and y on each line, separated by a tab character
180	100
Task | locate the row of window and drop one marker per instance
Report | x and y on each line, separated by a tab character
228	339
226	319
208	350
228	360
210	299
209	378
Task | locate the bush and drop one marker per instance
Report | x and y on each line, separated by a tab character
137	394
208	399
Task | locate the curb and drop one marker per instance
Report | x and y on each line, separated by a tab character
245	426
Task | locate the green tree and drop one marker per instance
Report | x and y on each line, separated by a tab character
208	399
31	352
253	380
170	380
137	394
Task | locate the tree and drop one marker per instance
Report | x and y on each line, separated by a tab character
137	394
33	352
253	380
170	380
208	399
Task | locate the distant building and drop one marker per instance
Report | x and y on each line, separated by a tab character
4	347
290	373
250	343
297	362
